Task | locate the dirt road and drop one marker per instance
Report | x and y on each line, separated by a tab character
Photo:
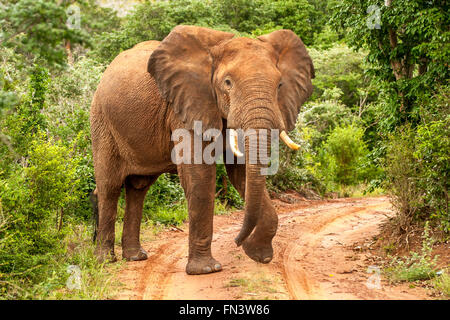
319	254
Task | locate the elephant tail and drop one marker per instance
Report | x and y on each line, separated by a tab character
94	201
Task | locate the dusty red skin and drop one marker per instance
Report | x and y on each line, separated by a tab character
194	74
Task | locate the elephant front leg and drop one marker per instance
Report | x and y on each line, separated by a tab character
199	181
258	246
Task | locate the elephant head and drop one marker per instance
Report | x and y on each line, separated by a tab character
207	75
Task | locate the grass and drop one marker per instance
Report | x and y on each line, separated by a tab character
96	280
357	191
223	208
74	275
240	282
257	285
419	266
442	283
175	214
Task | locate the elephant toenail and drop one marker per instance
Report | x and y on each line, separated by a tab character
218	267
267	260
207	269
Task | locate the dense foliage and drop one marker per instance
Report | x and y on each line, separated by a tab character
408	44
378	117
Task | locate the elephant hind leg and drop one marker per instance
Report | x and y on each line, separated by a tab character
93	197
108	196
136	188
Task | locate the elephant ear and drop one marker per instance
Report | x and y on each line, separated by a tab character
296	69
182	69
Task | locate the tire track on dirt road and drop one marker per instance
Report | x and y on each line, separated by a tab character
158	270
314	258
300	281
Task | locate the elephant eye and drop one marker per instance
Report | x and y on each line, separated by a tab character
228	84
280	85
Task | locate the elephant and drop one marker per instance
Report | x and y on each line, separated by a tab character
194	74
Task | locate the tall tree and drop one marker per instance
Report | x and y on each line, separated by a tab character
408	43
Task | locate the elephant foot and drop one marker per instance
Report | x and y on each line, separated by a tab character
105	254
134	254
259	251
202	265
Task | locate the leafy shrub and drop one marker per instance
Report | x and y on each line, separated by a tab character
28	119
417	166
9	78
326	39
294	171
165	202
37	30
342	155
420	266
401	176
320	117
323	127
34	199
166	190
433	157
407	57
225	191
67	112
152	20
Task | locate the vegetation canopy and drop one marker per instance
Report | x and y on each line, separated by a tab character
378	119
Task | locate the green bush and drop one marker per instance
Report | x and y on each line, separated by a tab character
417	167
333	150
420	266
37	30
320	117
433	157
165	201
34	199
342	155
27	119
294	171
225	191
67	112
442	283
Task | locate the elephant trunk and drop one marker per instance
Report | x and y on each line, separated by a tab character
255	183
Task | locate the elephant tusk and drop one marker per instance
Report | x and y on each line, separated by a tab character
234	143
291	144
